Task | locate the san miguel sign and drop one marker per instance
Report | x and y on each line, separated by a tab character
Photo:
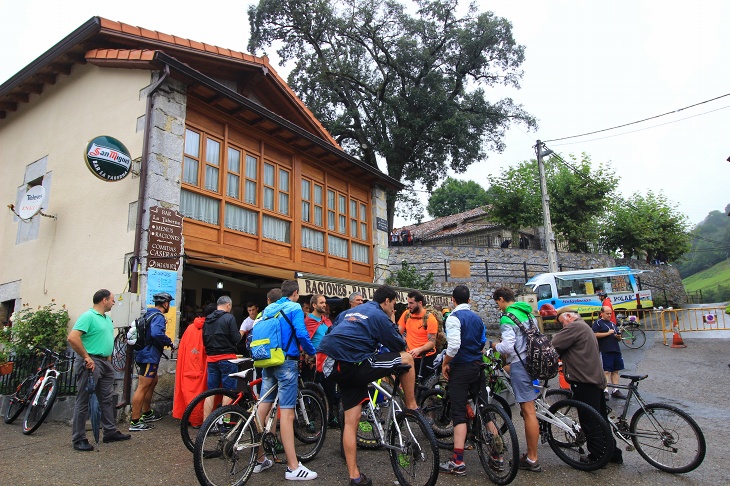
343	288
164	244
108	159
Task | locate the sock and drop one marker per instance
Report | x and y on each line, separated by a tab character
458	456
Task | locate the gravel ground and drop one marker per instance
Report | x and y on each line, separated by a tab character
695	379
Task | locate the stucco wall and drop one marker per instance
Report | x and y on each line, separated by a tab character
84	248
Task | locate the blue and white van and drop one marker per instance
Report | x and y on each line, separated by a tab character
548	292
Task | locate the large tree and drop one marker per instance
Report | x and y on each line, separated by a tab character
710	244
409	88
647	226
579	195
455	196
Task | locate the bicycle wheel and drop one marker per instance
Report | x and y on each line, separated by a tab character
366	436
226	448
668	438
554	395
436	409
310	425
18	400
415	459
587	444
36	414
188	429
497	444
318	389
119	352
633	338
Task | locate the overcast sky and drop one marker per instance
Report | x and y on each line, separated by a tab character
589	66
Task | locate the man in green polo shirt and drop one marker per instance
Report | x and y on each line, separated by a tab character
92	338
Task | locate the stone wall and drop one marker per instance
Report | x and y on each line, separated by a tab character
507	269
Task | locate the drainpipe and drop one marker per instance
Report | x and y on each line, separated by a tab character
133	284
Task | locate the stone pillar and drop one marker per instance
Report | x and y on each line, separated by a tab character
381	252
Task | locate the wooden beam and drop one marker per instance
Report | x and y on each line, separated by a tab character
62	67
33	88
46	78
20	97
8	106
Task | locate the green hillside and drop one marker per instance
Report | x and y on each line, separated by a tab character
711	278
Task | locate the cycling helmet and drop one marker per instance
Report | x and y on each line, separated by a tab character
162	297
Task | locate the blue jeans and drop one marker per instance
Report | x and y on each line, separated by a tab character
287	376
218	374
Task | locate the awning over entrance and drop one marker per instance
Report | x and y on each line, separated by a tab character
310	283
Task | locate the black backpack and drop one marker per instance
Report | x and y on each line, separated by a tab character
541	361
137	334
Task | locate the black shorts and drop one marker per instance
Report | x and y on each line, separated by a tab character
463	381
353	379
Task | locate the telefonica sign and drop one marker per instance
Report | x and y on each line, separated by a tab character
108	159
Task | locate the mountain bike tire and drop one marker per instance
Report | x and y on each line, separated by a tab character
36	414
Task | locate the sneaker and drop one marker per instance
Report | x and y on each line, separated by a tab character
618	394
150	416
364	481
527	465
301	473
496	462
263	466
605	395
450	467
139	425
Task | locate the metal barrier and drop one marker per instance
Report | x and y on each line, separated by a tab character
685	320
26	366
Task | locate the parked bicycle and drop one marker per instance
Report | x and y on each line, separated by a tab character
631	334
489	429
409	440
37	393
226	447
665	436
245	398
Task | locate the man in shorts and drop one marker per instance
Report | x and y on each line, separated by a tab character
148	360
352	362
466	335
608	338
293	334
514	346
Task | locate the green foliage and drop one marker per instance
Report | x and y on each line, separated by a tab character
710	244
578	196
43	327
409	88
408	277
647	226
455	196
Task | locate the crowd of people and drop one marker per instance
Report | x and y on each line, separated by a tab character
363	343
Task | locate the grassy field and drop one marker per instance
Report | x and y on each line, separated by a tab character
710	278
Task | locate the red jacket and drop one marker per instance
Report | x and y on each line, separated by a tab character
191	376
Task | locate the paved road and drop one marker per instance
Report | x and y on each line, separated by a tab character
696	378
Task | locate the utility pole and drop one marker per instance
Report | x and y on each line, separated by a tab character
548	227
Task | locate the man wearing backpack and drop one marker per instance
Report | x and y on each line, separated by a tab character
578	348
148	360
462	368
293	334
419	328
514	346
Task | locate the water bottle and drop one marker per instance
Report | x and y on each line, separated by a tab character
536	384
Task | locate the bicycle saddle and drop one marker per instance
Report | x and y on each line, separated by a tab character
634	377
401	368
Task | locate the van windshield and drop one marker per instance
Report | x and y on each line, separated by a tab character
592	284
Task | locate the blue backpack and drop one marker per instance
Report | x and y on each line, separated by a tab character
266	345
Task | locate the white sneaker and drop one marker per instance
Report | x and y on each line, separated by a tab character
301	473
263	466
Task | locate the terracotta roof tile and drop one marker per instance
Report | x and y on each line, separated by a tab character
181	41
121	54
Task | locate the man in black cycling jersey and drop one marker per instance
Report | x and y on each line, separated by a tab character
352	361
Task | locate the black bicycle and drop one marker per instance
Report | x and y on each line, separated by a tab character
37	393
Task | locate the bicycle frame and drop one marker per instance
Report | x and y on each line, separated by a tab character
40	383
560	421
621	425
394	409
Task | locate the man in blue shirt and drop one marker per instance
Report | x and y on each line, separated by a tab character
352	362
286	375
466	336
148	360
608	339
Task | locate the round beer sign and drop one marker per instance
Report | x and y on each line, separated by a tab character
108	159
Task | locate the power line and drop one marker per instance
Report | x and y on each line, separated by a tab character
639	121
